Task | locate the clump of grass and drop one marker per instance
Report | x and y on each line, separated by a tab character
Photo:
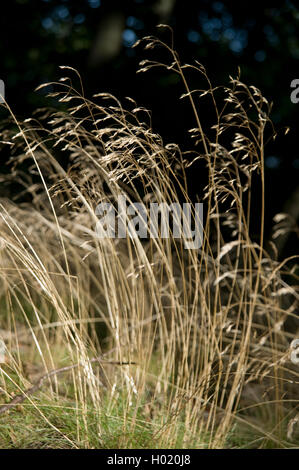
167	347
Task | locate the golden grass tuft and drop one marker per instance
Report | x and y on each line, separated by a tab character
159	346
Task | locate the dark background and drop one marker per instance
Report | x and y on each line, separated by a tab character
95	37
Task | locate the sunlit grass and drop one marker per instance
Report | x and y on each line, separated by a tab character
163	346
